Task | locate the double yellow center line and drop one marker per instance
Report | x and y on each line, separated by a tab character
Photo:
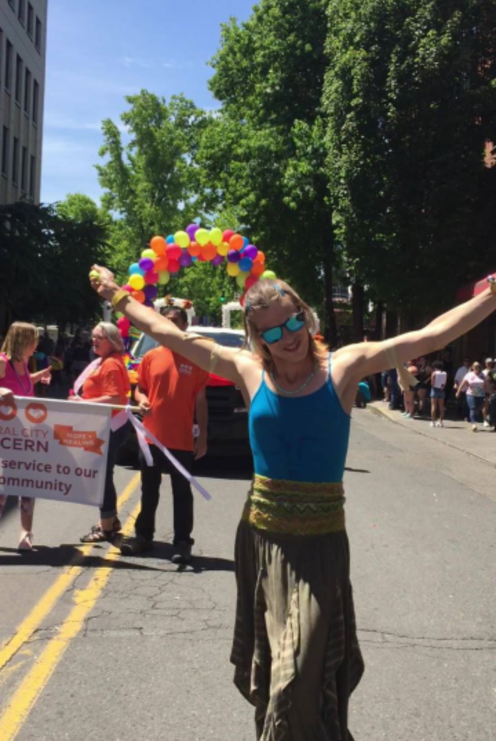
27	694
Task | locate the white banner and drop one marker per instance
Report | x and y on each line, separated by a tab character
52	449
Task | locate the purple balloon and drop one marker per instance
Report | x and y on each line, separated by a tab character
150	292
191	231
185	260
148	302
233	256
218	260
250	251
146	263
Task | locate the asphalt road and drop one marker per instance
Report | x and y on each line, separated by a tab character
94	645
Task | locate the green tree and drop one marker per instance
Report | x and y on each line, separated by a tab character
263	155
149	182
44	264
410	104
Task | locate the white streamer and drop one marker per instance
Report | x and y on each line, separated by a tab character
142	433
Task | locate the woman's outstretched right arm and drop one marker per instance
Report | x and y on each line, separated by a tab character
224	361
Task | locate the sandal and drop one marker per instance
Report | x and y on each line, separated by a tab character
98	535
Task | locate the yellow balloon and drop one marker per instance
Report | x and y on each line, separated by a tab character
233	269
150	254
182	239
241	279
163	277
216	236
202	236
136	281
95	275
223	248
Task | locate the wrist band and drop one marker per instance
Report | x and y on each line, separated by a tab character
117	298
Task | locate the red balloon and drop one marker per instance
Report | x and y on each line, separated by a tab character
226	236
151	278
242	299
174	266
250	282
174	252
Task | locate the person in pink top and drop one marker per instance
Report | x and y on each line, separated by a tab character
15	379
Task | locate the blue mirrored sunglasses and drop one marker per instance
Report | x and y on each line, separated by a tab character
293	324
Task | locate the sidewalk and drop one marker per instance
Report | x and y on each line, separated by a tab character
455	434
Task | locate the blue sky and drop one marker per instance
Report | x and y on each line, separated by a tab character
98	52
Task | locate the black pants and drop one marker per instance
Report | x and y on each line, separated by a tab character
116	439
151	478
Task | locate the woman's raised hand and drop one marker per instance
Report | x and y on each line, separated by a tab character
103	282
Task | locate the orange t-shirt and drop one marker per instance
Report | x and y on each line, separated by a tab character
171	383
109	379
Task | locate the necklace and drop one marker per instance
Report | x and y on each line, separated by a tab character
303	385
20	378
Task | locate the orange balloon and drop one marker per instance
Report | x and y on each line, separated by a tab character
260	258
194	249
161	264
236	242
158	245
257	269
139	296
209	251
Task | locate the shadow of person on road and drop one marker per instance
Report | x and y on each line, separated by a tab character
67	555
163	551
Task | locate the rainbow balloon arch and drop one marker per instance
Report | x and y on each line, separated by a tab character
165	257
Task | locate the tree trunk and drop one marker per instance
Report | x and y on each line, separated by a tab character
331	331
357	303
379	311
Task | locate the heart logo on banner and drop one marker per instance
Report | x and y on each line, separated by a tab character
8	411
36	413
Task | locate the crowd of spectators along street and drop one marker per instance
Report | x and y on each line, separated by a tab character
469	392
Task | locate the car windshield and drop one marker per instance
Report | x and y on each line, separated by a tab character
146	343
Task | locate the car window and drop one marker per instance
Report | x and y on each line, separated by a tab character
146	343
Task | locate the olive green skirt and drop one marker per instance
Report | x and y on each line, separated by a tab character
295	648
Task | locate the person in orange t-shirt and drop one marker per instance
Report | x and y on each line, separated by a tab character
170	390
108	384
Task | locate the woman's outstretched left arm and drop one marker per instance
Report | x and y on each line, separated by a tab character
373	357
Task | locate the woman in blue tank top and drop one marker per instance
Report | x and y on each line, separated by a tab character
295	649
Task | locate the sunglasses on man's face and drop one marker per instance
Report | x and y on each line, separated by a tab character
293	324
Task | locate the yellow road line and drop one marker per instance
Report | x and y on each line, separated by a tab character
27	694
52	595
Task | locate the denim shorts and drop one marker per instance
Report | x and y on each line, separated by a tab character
438	393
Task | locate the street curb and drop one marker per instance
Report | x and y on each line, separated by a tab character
382	413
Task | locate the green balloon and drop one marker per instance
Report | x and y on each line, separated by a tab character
269	274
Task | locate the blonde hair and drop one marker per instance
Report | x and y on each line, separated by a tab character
20	336
112	334
260	296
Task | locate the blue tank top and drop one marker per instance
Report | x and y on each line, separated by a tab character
303	438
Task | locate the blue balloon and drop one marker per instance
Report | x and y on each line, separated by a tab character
170	239
135	269
245	264
246	242
193	258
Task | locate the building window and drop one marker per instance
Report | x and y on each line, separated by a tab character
32	176
21	11
37	38
30	20
18	80
8	65
36	95
15	159
27	92
24	169
5	151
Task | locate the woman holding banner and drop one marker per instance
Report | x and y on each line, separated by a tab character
295	647
17	349
106	381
